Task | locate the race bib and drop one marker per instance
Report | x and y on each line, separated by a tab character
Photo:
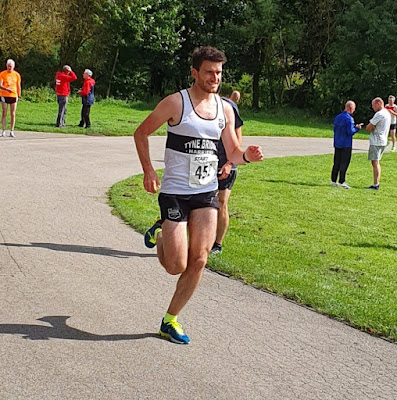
203	169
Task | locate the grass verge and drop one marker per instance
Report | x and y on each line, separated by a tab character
119	118
292	234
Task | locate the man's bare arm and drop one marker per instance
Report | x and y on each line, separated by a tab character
370	127
167	110
234	152
7	89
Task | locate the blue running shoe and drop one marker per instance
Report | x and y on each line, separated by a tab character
173	331
151	234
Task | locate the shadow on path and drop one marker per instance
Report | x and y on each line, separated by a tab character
71	248
60	330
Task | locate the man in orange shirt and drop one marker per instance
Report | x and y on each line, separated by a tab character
10	92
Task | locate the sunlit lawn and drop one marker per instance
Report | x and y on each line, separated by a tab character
121	118
106	118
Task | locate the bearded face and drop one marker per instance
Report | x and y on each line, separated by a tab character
208	77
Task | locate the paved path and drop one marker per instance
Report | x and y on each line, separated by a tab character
82	298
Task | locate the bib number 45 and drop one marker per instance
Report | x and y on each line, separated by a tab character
202	170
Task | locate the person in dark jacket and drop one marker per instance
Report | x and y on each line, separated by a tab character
87	98
62	88
344	129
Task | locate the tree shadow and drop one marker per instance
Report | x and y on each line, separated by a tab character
294	182
70	248
60	330
41	123
372	245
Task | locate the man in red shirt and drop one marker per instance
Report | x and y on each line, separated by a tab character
87	98
62	87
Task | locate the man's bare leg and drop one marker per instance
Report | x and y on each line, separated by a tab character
172	246
3	115
377	170
13	109
202	228
223	215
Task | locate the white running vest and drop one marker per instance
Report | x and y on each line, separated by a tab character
191	156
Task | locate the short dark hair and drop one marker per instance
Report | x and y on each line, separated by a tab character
207	53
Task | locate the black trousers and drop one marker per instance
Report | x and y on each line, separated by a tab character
85	116
342	159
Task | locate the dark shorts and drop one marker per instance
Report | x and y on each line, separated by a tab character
228	182
8	100
177	207
392	127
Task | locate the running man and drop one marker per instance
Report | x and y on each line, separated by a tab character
392	108
227	174
188	199
10	92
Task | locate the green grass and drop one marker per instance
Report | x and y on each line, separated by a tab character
108	118
118	118
292	234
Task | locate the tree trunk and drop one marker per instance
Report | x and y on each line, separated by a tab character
255	90
156	82
112	73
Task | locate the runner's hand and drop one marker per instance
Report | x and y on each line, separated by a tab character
254	153
151	182
225	170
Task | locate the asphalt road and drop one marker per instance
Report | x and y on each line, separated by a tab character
82	298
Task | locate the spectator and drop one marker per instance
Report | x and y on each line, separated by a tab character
344	129
62	87
10	92
392	108
87	98
379	127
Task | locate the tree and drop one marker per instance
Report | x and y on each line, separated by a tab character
362	58
79	25
27	25
307	29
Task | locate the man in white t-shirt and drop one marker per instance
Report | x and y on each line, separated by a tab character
392	108
379	127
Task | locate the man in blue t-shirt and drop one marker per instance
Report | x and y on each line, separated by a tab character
344	129
227	173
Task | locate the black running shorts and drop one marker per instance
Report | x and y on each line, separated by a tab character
177	207
228	182
392	127
8	100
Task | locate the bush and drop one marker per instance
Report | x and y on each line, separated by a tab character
43	94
